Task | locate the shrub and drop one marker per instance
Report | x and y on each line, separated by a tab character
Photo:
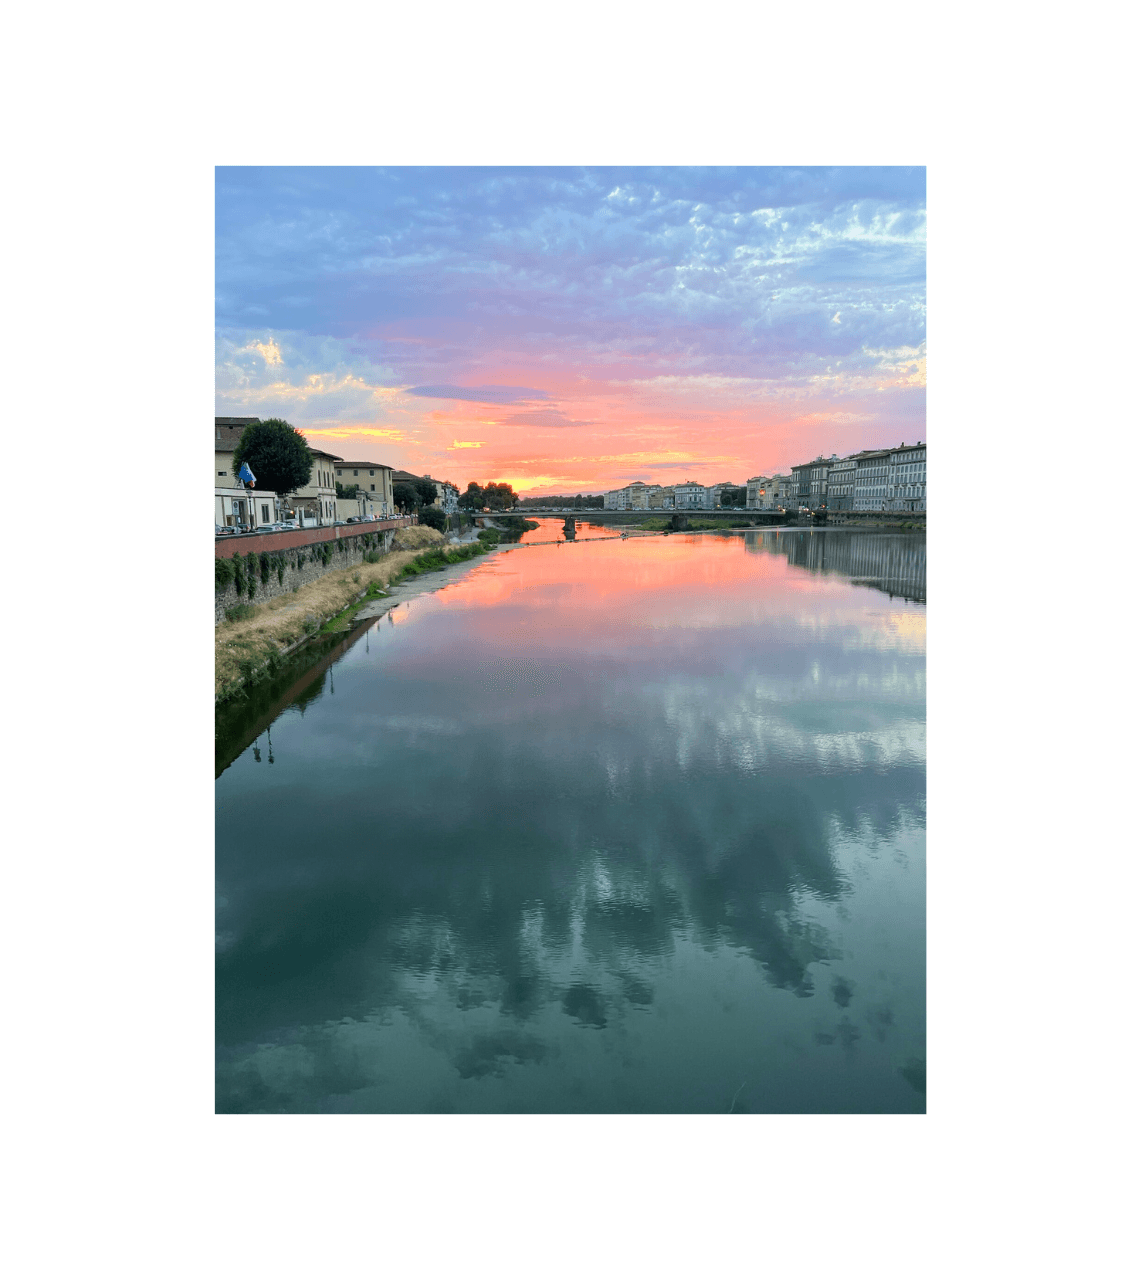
236	612
223	574
371	557
489	537
239	574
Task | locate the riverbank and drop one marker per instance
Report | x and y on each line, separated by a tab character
248	647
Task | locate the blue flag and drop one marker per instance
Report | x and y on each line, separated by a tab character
246	476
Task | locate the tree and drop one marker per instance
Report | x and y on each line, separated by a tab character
734	496
499	497
347	490
426	491
434	518
404	496
277	455
472	498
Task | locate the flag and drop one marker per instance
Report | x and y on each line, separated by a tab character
246	476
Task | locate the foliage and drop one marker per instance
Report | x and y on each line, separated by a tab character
499	497
434	518
223	574
734	497
426	491
277	455
577	501
472	497
404	496
239	612
489	537
346	490
371	557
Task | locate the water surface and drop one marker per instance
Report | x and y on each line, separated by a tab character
612	826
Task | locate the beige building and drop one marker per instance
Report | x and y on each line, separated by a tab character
316	502
373	479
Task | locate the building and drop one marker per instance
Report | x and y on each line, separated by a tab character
907	478
691	496
842	483
371	478
869	491
761	493
447	496
662	499
812	481
235	506
636	496
715	490
316	502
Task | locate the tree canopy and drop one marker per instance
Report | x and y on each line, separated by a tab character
472	497
277	455
426	491
433	517
499	497
734	497
404	495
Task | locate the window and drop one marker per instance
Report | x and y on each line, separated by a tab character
221	473
354	471
372	486
264	513
372	473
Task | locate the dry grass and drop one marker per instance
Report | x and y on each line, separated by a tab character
277	623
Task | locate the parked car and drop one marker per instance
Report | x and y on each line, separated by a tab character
337	524
267	528
352	520
290	524
222	530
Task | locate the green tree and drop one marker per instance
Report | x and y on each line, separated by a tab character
434	518
346	490
277	455
426	491
404	496
499	497
472	498
734	497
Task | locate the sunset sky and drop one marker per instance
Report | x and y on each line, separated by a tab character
571	330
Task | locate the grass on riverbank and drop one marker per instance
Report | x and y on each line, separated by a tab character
243	646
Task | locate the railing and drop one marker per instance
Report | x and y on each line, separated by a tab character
287	539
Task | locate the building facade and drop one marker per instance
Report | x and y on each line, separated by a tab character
690	496
869	491
235	506
316	502
842	483
907	478
372	478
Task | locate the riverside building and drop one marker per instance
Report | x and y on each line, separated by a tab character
869	492
907	478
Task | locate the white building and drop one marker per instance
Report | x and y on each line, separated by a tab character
869	491
691	496
235	506
907	478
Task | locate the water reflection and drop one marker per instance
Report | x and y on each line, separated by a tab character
890	562
557	837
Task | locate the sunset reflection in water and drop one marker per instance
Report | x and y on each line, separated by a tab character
636	825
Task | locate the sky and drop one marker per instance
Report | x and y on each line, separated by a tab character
572	330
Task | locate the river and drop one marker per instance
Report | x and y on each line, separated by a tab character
618	826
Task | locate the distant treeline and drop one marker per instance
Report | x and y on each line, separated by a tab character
579	501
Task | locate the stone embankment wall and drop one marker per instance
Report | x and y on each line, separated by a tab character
282	570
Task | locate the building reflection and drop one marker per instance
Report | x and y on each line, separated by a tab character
890	562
